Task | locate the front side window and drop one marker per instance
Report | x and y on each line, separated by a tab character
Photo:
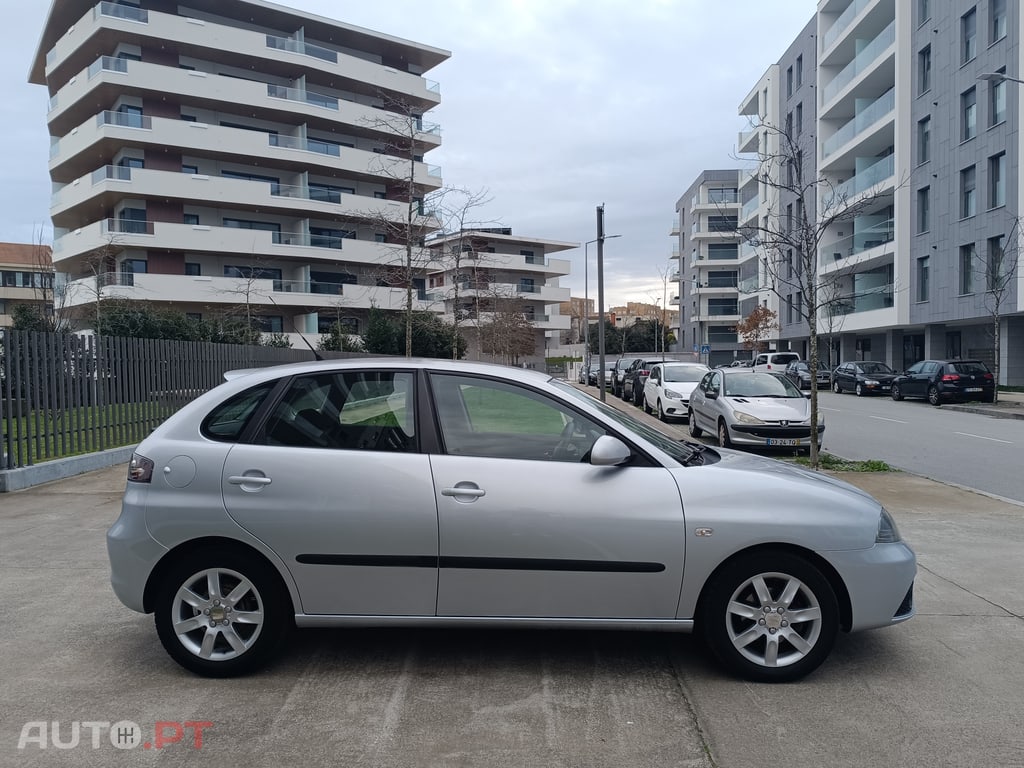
348	410
500	420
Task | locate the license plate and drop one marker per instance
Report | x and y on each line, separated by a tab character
885	387
972	389
783	441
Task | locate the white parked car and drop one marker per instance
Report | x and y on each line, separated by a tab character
667	390
743	407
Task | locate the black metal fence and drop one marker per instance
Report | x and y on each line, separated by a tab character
64	395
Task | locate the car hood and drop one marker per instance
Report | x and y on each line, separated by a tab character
878	376
773	408
681	387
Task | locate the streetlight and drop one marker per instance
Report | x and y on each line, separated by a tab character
998	77
586	303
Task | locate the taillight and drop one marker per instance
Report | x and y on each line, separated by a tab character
951	377
140	469
645	373
988	376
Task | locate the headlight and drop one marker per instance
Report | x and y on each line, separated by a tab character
673	394
888	533
871	382
746	418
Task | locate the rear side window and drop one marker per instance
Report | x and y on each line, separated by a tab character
228	420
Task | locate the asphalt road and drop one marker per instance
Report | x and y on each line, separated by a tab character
941	690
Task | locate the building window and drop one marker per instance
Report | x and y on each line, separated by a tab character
191	218
924	11
380	195
789	309
922	279
923	210
997	180
968	114
994	264
799	71
924	70
924	140
789	82
997	102
968	203
967	255
192	169
799	119
720	307
192	269
997	11
380	237
968	36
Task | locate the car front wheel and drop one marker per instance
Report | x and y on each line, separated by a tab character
895	392
836	388
723	435
694	430
859	390
222	613
772	617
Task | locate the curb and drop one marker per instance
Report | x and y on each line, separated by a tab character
60	469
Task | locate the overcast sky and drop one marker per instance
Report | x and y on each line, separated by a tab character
551	106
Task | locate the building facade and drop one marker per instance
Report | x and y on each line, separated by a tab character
26	277
488	280
237	154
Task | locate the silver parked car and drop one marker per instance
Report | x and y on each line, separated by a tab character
402	492
743	407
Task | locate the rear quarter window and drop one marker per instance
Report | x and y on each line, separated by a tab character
226	422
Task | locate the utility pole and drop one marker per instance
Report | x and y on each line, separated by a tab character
600	299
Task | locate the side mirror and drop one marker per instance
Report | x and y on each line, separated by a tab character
609	451
711	394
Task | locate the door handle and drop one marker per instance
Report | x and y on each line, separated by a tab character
249	480
477	492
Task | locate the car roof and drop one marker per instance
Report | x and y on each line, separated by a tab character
526	375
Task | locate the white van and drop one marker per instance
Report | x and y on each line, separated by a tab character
774	362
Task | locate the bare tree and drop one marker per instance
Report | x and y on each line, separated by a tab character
999	265
757	327
509	334
803	210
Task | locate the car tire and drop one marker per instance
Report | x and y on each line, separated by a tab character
859	390
694	430
769	590
836	388
661	413
234	646
647	406
638	395
895	392
723	435
933	395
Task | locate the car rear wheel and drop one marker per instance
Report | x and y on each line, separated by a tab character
694	430
836	388
933	395
723	434
221	613
647	406
772	617
895	392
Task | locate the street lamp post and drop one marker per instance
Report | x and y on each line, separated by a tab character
998	77
586	303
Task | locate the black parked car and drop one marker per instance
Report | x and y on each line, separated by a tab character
864	377
619	374
636	376
943	381
799	372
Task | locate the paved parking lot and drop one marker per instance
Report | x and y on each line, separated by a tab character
941	690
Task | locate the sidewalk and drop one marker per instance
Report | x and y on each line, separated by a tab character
1010	406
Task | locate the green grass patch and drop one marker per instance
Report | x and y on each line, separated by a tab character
830	463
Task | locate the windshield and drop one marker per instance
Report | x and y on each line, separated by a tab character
680	451
684	372
875	368
759	385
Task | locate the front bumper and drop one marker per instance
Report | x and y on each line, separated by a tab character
761	434
880	583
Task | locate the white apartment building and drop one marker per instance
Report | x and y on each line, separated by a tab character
227	152
480	274
903	104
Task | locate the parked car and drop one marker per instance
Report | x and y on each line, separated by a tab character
799	372
744	407
944	381
667	390
864	377
583	376
636	376
621	366
592	372
272	501
595	371
774	362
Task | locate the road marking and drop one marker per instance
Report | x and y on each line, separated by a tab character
882	418
982	437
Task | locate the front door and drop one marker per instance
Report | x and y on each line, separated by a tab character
528	528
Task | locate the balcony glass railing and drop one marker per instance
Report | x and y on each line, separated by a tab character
527	288
434	171
880	107
872	237
748	284
722	196
302	96
309	286
107	64
538	261
432	85
297	46
130	12
861	62
127	227
750	207
843	22
116	172
124	120
880	297
304	145
866	179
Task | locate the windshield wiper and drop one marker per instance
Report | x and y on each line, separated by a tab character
696	451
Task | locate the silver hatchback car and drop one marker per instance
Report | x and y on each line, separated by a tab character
398	492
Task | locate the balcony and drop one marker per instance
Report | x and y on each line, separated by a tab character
674	232
867	179
301	47
859	242
879	297
879	108
118	11
862	62
749	209
748	141
843	23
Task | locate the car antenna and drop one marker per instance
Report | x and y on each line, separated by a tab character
316	354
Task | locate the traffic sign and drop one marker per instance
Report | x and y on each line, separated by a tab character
705	349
